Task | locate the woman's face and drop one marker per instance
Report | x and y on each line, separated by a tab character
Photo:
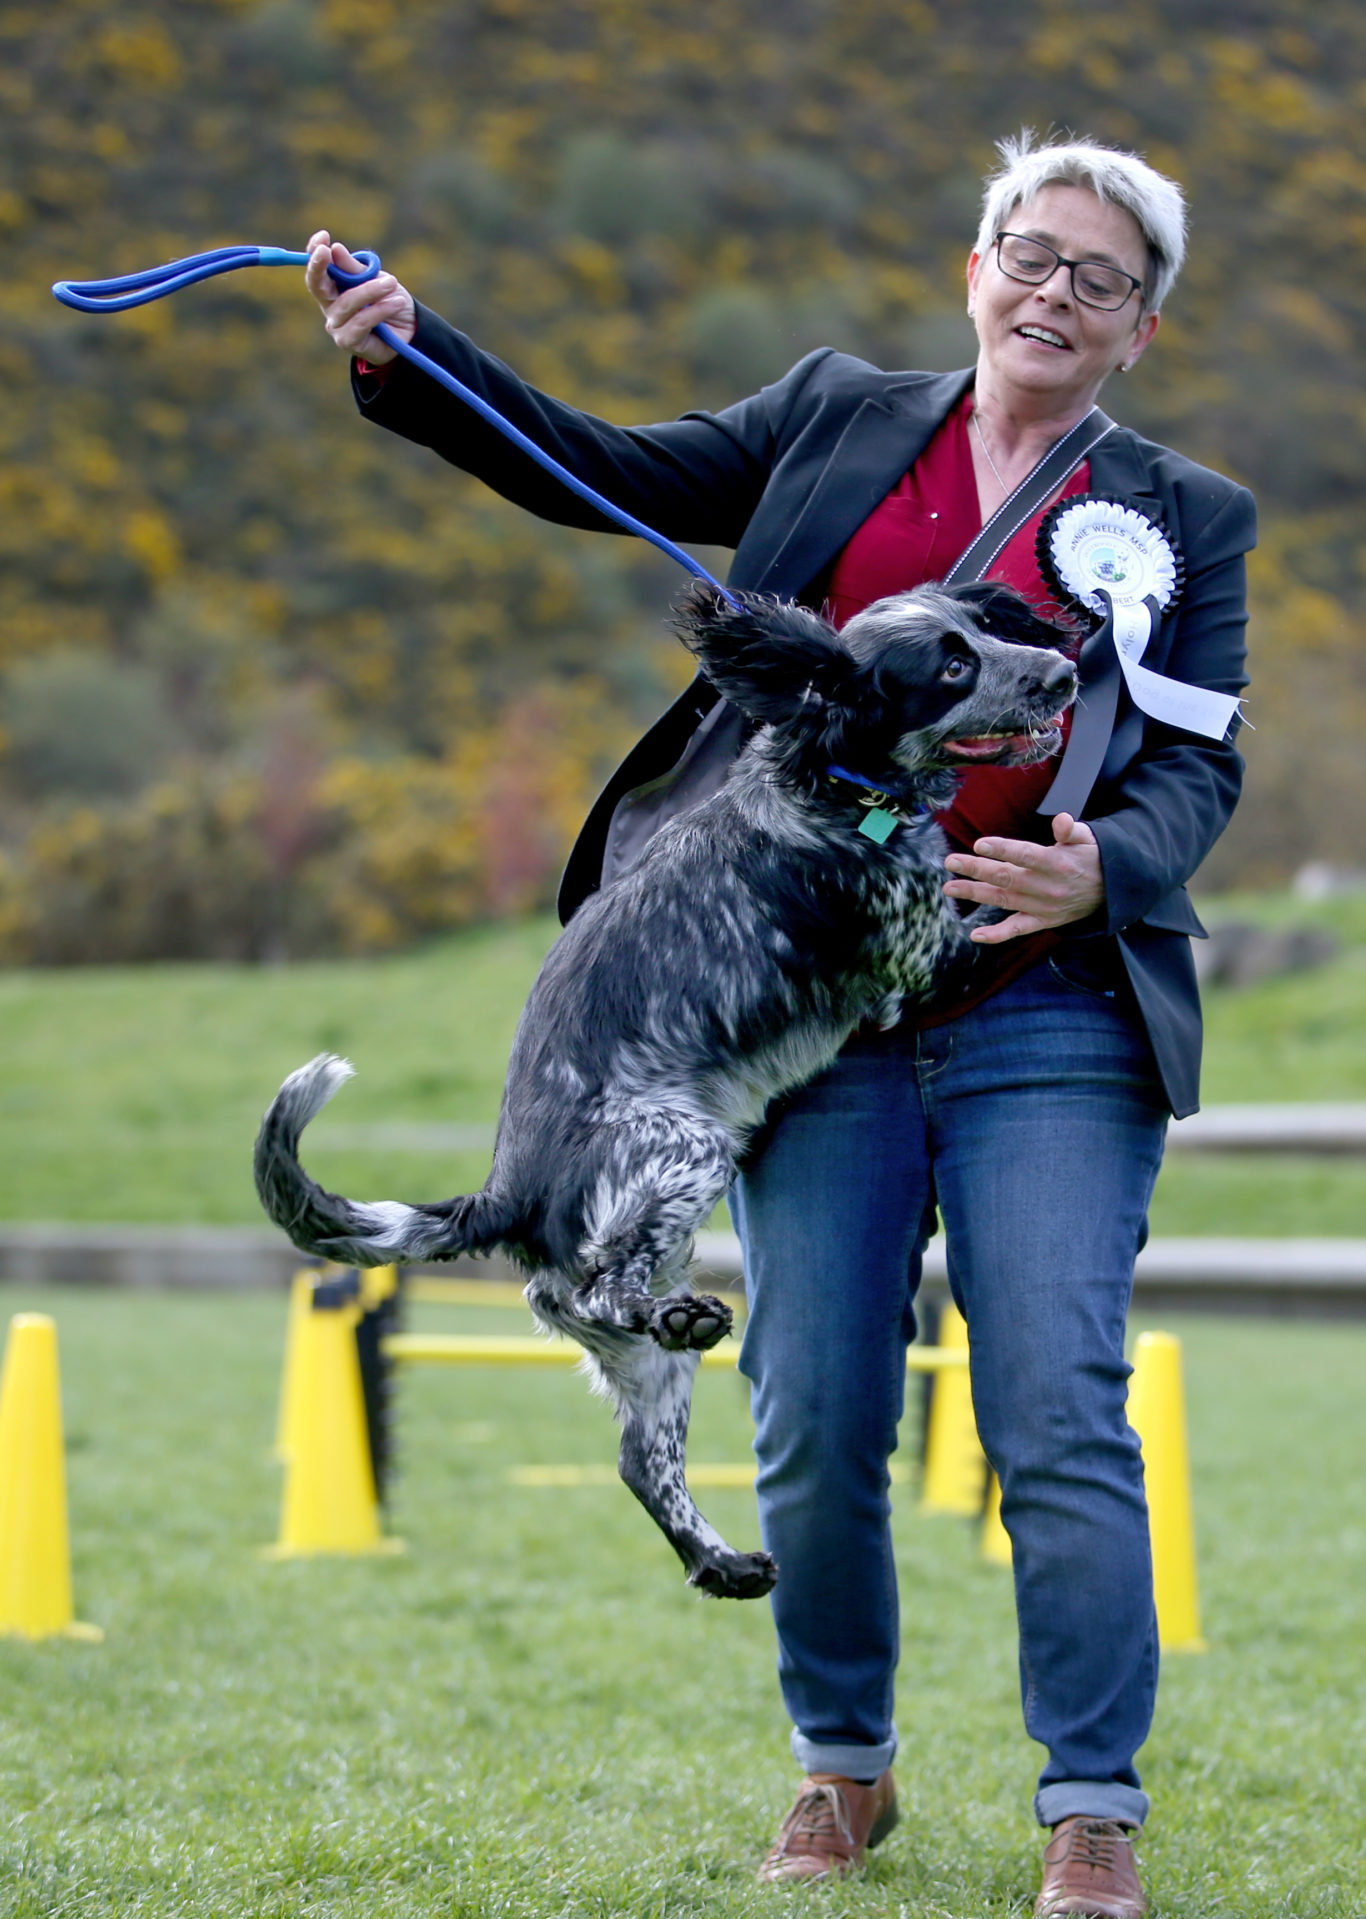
1041	341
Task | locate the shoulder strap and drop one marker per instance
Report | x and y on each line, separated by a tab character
1057	465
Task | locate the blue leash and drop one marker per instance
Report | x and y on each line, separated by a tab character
137	289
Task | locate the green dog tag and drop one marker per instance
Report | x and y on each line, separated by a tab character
879	825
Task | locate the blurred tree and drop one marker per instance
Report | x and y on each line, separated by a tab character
641	207
617	191
737	339
81	723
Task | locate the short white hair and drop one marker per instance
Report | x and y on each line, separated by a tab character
1156	203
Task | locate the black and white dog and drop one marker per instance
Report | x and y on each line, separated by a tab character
726	968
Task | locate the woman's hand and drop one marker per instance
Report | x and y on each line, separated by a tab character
1039	886
352	313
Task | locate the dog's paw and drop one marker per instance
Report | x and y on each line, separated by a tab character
887	1013
737	1576
689	1322
985	916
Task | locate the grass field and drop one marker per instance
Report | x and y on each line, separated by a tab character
133	1094
528	1714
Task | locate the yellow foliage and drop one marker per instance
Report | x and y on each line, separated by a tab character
204	450
360	19
597	269
140	56
149	536
483	831
110	142
94	463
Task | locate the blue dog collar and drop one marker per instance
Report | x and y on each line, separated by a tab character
885	813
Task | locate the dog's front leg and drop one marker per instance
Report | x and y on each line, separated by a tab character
651	1391
887	1013
960	958
680	1322
662	1174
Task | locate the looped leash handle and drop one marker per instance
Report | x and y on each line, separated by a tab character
154	283
369	263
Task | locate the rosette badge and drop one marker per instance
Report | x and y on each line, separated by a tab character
1092	547
1111	560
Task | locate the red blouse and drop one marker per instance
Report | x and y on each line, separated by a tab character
929	518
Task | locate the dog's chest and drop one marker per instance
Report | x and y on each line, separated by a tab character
909	926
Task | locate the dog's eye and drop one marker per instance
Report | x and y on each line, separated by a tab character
956	669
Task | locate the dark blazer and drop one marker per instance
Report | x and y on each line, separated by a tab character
785	478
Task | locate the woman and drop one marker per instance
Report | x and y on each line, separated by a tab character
1033	1119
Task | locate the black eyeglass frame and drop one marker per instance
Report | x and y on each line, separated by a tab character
1135	286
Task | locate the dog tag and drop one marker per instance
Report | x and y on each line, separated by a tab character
879	825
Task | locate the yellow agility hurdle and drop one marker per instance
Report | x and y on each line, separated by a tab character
955	1477
479	1349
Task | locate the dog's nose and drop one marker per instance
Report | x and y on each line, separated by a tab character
1059	677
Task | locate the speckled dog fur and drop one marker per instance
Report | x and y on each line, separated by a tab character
725	969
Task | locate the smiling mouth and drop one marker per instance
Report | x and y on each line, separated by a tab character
1045	336
1036	743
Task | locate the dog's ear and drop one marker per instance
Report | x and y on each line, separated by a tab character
771	658
1005	614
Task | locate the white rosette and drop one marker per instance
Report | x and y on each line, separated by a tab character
1112	560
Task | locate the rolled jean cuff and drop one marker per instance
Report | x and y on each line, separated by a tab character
1091	1799
850	1762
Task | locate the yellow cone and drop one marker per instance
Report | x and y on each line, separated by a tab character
300	1305
1157	1413
995	1539
955	1468
35	1548
330	1504
376	1285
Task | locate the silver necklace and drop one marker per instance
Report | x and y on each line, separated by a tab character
982	441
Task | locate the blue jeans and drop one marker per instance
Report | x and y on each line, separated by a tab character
1035	1123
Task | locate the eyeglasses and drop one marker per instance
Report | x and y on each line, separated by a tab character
1094	284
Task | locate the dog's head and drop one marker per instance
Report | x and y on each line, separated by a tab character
938	678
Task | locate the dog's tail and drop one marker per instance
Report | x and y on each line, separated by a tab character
354	1232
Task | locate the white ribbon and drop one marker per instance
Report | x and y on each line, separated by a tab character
1195	709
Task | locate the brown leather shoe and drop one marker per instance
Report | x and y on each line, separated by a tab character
1089	1870
831	1829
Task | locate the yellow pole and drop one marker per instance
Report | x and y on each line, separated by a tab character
377	1283
1157	1413
35	1545
955	1467
995	1539
517	1349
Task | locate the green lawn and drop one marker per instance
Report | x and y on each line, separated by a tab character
133	1093
529	1714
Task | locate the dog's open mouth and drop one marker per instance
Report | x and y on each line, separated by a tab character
1036	743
